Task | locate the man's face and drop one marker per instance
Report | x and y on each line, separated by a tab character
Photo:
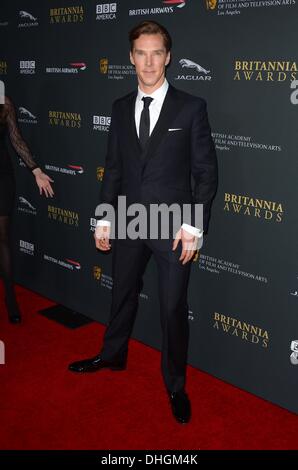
149	56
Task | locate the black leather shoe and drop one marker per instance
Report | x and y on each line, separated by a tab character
94	364
14	314
15	318
180	406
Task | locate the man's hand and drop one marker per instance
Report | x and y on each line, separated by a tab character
189	245
102	238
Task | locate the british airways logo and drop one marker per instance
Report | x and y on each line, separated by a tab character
168	7
178	3
73	68
79	65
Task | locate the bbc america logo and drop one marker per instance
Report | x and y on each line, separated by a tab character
102	120
27	247
101	123
27	66
106	8
106	11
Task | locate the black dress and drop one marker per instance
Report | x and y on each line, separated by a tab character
9	129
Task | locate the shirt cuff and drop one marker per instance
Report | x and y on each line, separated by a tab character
103	223
197	232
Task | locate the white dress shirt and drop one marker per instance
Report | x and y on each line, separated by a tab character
155	106
154	112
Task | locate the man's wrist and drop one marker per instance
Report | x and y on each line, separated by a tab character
103	223
197	232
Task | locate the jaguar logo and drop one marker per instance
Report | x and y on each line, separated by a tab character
26	112
24	14
26	203
193	65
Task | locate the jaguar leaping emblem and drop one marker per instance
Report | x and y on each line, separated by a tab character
192	65
27	203
25	111
24	14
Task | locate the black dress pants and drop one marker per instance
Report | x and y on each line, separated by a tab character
129	263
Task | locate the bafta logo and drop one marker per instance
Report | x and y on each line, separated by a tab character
99	173
96	273
103	65
211	4
3	67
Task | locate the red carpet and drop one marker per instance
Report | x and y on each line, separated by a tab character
43	406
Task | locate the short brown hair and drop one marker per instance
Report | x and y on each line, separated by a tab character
150	27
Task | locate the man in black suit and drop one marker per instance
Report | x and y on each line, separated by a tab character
160	151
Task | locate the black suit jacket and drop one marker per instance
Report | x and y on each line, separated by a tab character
176	166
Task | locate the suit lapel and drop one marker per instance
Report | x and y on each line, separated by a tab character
132	132
171	107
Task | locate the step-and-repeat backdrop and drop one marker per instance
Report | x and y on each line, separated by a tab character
63	63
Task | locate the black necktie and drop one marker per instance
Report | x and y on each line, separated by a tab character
144	129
